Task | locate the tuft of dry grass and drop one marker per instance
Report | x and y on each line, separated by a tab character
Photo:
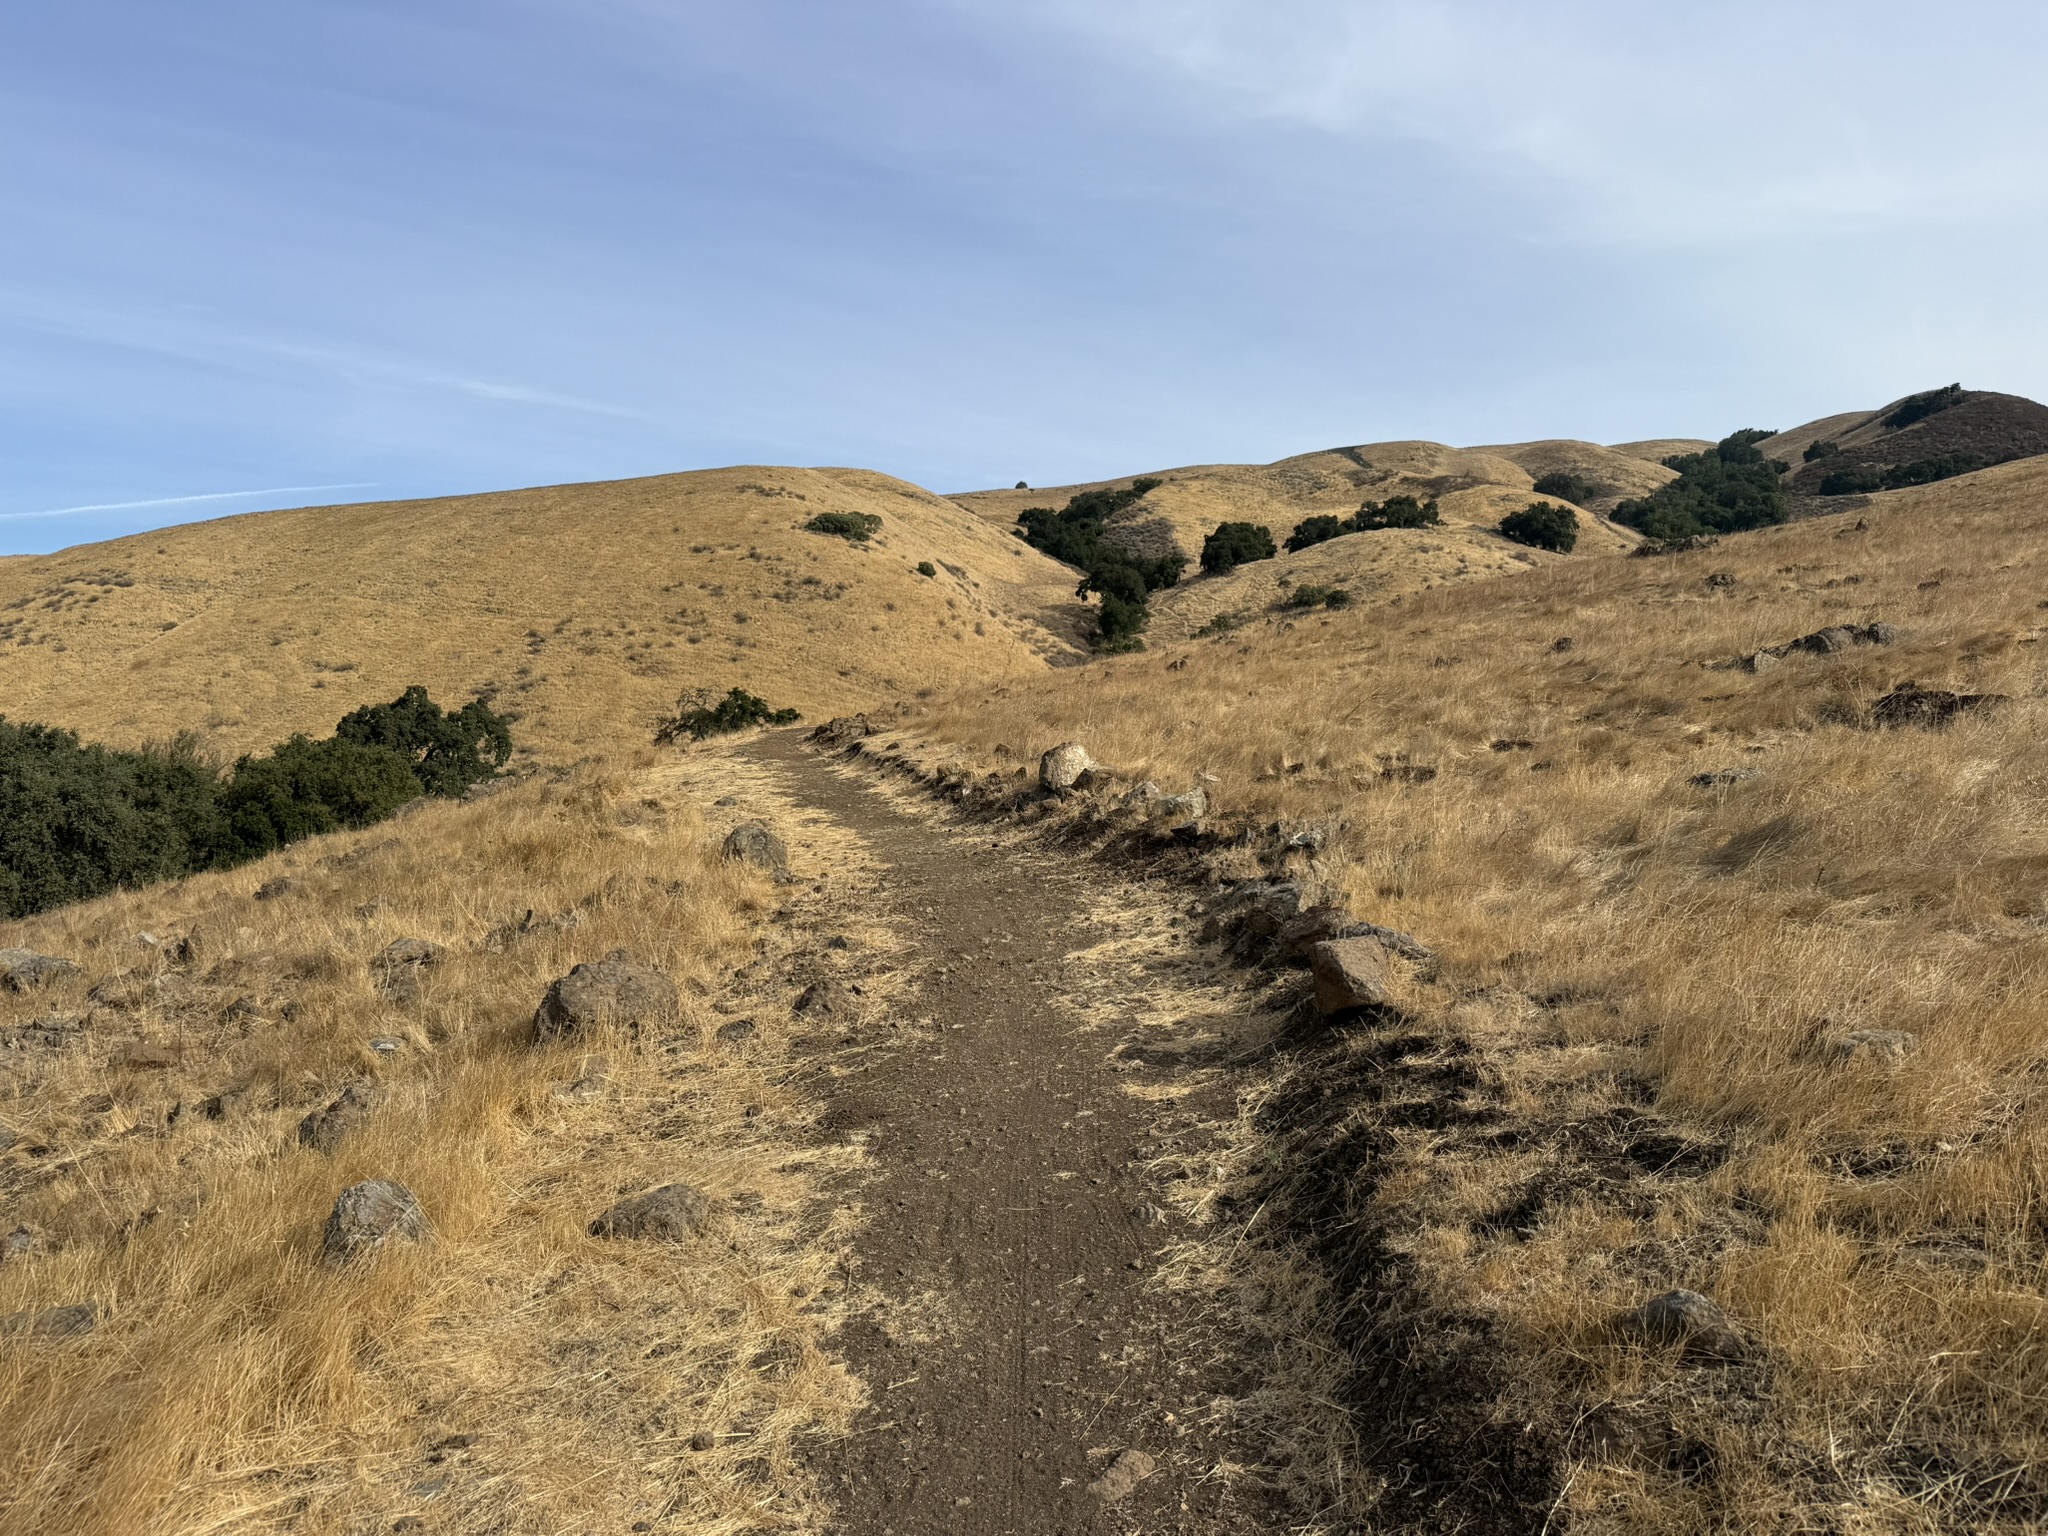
513	1373
1624	947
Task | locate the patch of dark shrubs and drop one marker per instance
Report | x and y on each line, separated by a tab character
1235	544
1394	512
1567	485
1727	489
1921	406
701	713
1826	448
1073	535
78	819
1543	525
926	568
1875	477
855	527
1309	595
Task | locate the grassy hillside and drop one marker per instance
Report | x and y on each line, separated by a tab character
583	608
1739	990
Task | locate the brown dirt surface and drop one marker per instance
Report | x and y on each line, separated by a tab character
1008	1311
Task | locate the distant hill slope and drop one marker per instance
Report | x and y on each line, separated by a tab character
585	609
1982	425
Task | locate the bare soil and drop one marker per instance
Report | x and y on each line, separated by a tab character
1008	1323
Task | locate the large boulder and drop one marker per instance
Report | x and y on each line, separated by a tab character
670	1214
23	969
1061	768
368	1215
1349	973
609	991
752	843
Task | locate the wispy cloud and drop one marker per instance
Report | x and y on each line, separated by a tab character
181	501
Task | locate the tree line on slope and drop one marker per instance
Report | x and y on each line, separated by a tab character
79	819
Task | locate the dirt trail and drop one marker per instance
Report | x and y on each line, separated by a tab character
1008	1321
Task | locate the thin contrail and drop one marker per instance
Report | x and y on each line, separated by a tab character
178	501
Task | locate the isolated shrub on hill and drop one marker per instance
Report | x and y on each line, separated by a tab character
1921	406
1073	535
1396	512
303	787
701	713
1729	488
1320	529
77	821
1309	595
1567	485
926	568
1543	525
1235	544
857	527
447	752
1824	449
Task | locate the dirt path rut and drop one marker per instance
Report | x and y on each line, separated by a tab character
1013	1335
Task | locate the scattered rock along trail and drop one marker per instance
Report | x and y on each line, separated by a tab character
1009	1319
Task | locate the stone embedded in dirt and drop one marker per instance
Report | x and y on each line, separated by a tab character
386	1045
123	989
825	999
23	969
53	1322
1192	806
737	1031
1890	1046
1307	840
396	968
752	843
1095	779
1143	794
608	991
1146	1214
1060	768
842	731
323	1129
504	935
1349	973
670	1214
51	1032
376	906
18	1244
1722	777
1299	934
1687	1318
270	890
148	1056
1910	704
1122	1476
592	1078
703	1440
368	1215
1758	661
1822	642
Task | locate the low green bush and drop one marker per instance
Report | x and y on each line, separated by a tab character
926	568
1543	525
1396	512
1235	544
858	527
1309	595
446	752
302	787
1567	485
701	713
1824	449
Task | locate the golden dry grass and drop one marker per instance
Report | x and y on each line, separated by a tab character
583	609
234	1382
1610	929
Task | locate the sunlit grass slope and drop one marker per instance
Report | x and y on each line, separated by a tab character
582	608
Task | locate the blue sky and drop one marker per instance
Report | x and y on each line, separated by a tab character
260	254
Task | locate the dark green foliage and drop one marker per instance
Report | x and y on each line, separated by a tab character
447	753
1311	596
1396	512
1311	531
1824	449
1235	544
1222	624
1875	477
1074	535
1566	485
926	568
1730	487
77	821
858	527
699	713
1919	407
305	787
1543	525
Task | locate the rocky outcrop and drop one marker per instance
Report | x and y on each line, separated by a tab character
1061	768
21	970
671	1214
611	991
1349	974
752	843
397	968
1685	1318
1822	642
324	1129
368	1215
